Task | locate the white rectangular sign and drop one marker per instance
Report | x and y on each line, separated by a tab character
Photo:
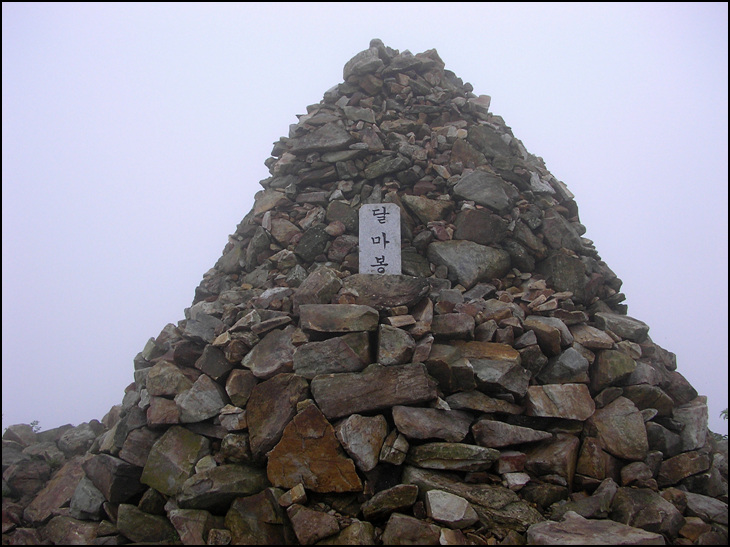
380	239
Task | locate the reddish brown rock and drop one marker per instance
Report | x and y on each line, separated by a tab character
309	453
57	492
272	405
311	526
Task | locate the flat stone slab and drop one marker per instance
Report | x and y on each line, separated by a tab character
496	434
571	401
576	530
452	456
338	317
376	388
386	291
432	423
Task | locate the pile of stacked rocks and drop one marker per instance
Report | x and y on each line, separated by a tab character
494	393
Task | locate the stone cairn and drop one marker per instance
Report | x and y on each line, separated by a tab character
495	392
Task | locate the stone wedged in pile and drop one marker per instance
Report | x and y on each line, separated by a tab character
495	392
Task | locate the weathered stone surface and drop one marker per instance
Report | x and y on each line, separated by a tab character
309	525
395	499
571	401
309	453
663	440
213	363
496	434
57	493
487	350
500	376
64	530
450	509
395	448
319	287
362	438
141	527
564	273
274	354
395	346
591	337
576	530
79	439
217	487
239	385
620	428
469	262
476	400
623	325
495	505
203	328
172	460
595	462
331	136
329	356
647	396
693	417
312	243
452	456
202	401
596	505
548	336
386	166
555	457
406	530
192	525
681	466
453	325
357	533
385	291
365	62
87	501
377	387
114	478
643	508
609	368
568	367
272	405
165	379
707	508
427	210
259	520
432	423
23	434
485	189
338	317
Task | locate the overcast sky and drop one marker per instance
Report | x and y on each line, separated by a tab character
134	139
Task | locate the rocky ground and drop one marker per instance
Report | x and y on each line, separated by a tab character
496	392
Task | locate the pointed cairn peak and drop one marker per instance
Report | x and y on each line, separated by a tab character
406	340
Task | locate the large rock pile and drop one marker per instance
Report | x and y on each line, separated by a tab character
495	392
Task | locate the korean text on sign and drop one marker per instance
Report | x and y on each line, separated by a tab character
380	239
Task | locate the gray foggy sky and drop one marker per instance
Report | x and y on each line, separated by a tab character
134	138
